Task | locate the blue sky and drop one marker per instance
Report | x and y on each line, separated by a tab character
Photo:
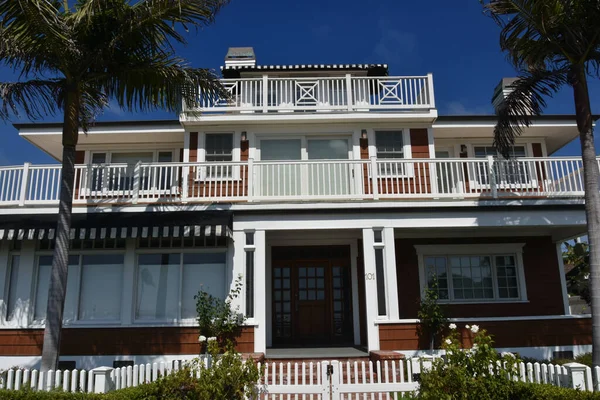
453	40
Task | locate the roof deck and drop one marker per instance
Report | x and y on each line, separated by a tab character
273	93
296	181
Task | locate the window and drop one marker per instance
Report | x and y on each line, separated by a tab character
100	293
218	148
93	287
12	300
122	178
168	282
478	274
507	171
390	145
250	251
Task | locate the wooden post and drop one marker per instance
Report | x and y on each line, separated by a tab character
102	380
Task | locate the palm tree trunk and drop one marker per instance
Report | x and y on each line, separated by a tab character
60	261
591	176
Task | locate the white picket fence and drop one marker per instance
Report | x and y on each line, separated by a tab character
325	380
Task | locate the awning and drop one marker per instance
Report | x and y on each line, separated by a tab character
120	225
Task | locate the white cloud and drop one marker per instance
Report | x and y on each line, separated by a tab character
395	46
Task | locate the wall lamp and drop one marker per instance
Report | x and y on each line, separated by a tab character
244	136
363	134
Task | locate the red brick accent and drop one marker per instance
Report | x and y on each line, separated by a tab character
542	279
382	355
522	333
109	341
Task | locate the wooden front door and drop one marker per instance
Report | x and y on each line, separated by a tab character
312	302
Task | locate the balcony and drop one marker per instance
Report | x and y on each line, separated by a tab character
348	93
294	181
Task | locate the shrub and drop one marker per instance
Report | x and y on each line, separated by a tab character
432	319
478	373
216	317
533	391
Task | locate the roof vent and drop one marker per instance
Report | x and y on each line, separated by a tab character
503	89
240	56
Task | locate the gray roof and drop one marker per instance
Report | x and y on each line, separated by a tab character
233	71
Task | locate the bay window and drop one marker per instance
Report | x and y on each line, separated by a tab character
473	273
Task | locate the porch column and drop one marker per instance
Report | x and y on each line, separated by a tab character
371	297
260	292
391	280
563	278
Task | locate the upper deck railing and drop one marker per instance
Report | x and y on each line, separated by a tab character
310	180
345	93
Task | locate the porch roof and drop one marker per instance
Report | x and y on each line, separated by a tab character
120	225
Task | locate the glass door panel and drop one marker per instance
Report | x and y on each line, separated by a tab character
329	179
281	179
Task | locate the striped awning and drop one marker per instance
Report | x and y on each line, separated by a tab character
120	225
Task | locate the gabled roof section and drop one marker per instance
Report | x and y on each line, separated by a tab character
233	71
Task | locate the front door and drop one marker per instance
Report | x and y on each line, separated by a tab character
312	302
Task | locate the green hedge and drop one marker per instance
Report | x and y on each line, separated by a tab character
531	391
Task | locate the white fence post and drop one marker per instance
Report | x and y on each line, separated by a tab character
24	184
431	91
250	179
102	381
374	178
265	93
349	92
578	376
136	182
492	177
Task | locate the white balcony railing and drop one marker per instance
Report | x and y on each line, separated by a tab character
346	93
311	180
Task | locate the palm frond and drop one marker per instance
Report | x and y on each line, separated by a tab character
160	82
35	99
527	99
33	36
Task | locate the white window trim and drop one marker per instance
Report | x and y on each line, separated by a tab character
178	320
77	299
174	154
406	150
236	153
476	249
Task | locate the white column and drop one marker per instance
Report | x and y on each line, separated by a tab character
128	301
391	280
355	297
563	278
4	277
260	293
370	290
238	268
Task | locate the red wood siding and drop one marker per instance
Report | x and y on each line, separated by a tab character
419	143
109	341
542	279
537	149
193	146
79	157
524	333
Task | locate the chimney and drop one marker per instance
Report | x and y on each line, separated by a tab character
503	89
240	56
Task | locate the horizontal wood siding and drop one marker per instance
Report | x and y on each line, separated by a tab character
542	279
113	341
532	333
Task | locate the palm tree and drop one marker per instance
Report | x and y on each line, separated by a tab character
73	59
554	43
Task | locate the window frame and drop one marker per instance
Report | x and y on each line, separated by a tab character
492	250
201	172
174	250
78	284
406	151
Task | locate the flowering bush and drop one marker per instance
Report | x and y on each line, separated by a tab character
476	373
217	318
